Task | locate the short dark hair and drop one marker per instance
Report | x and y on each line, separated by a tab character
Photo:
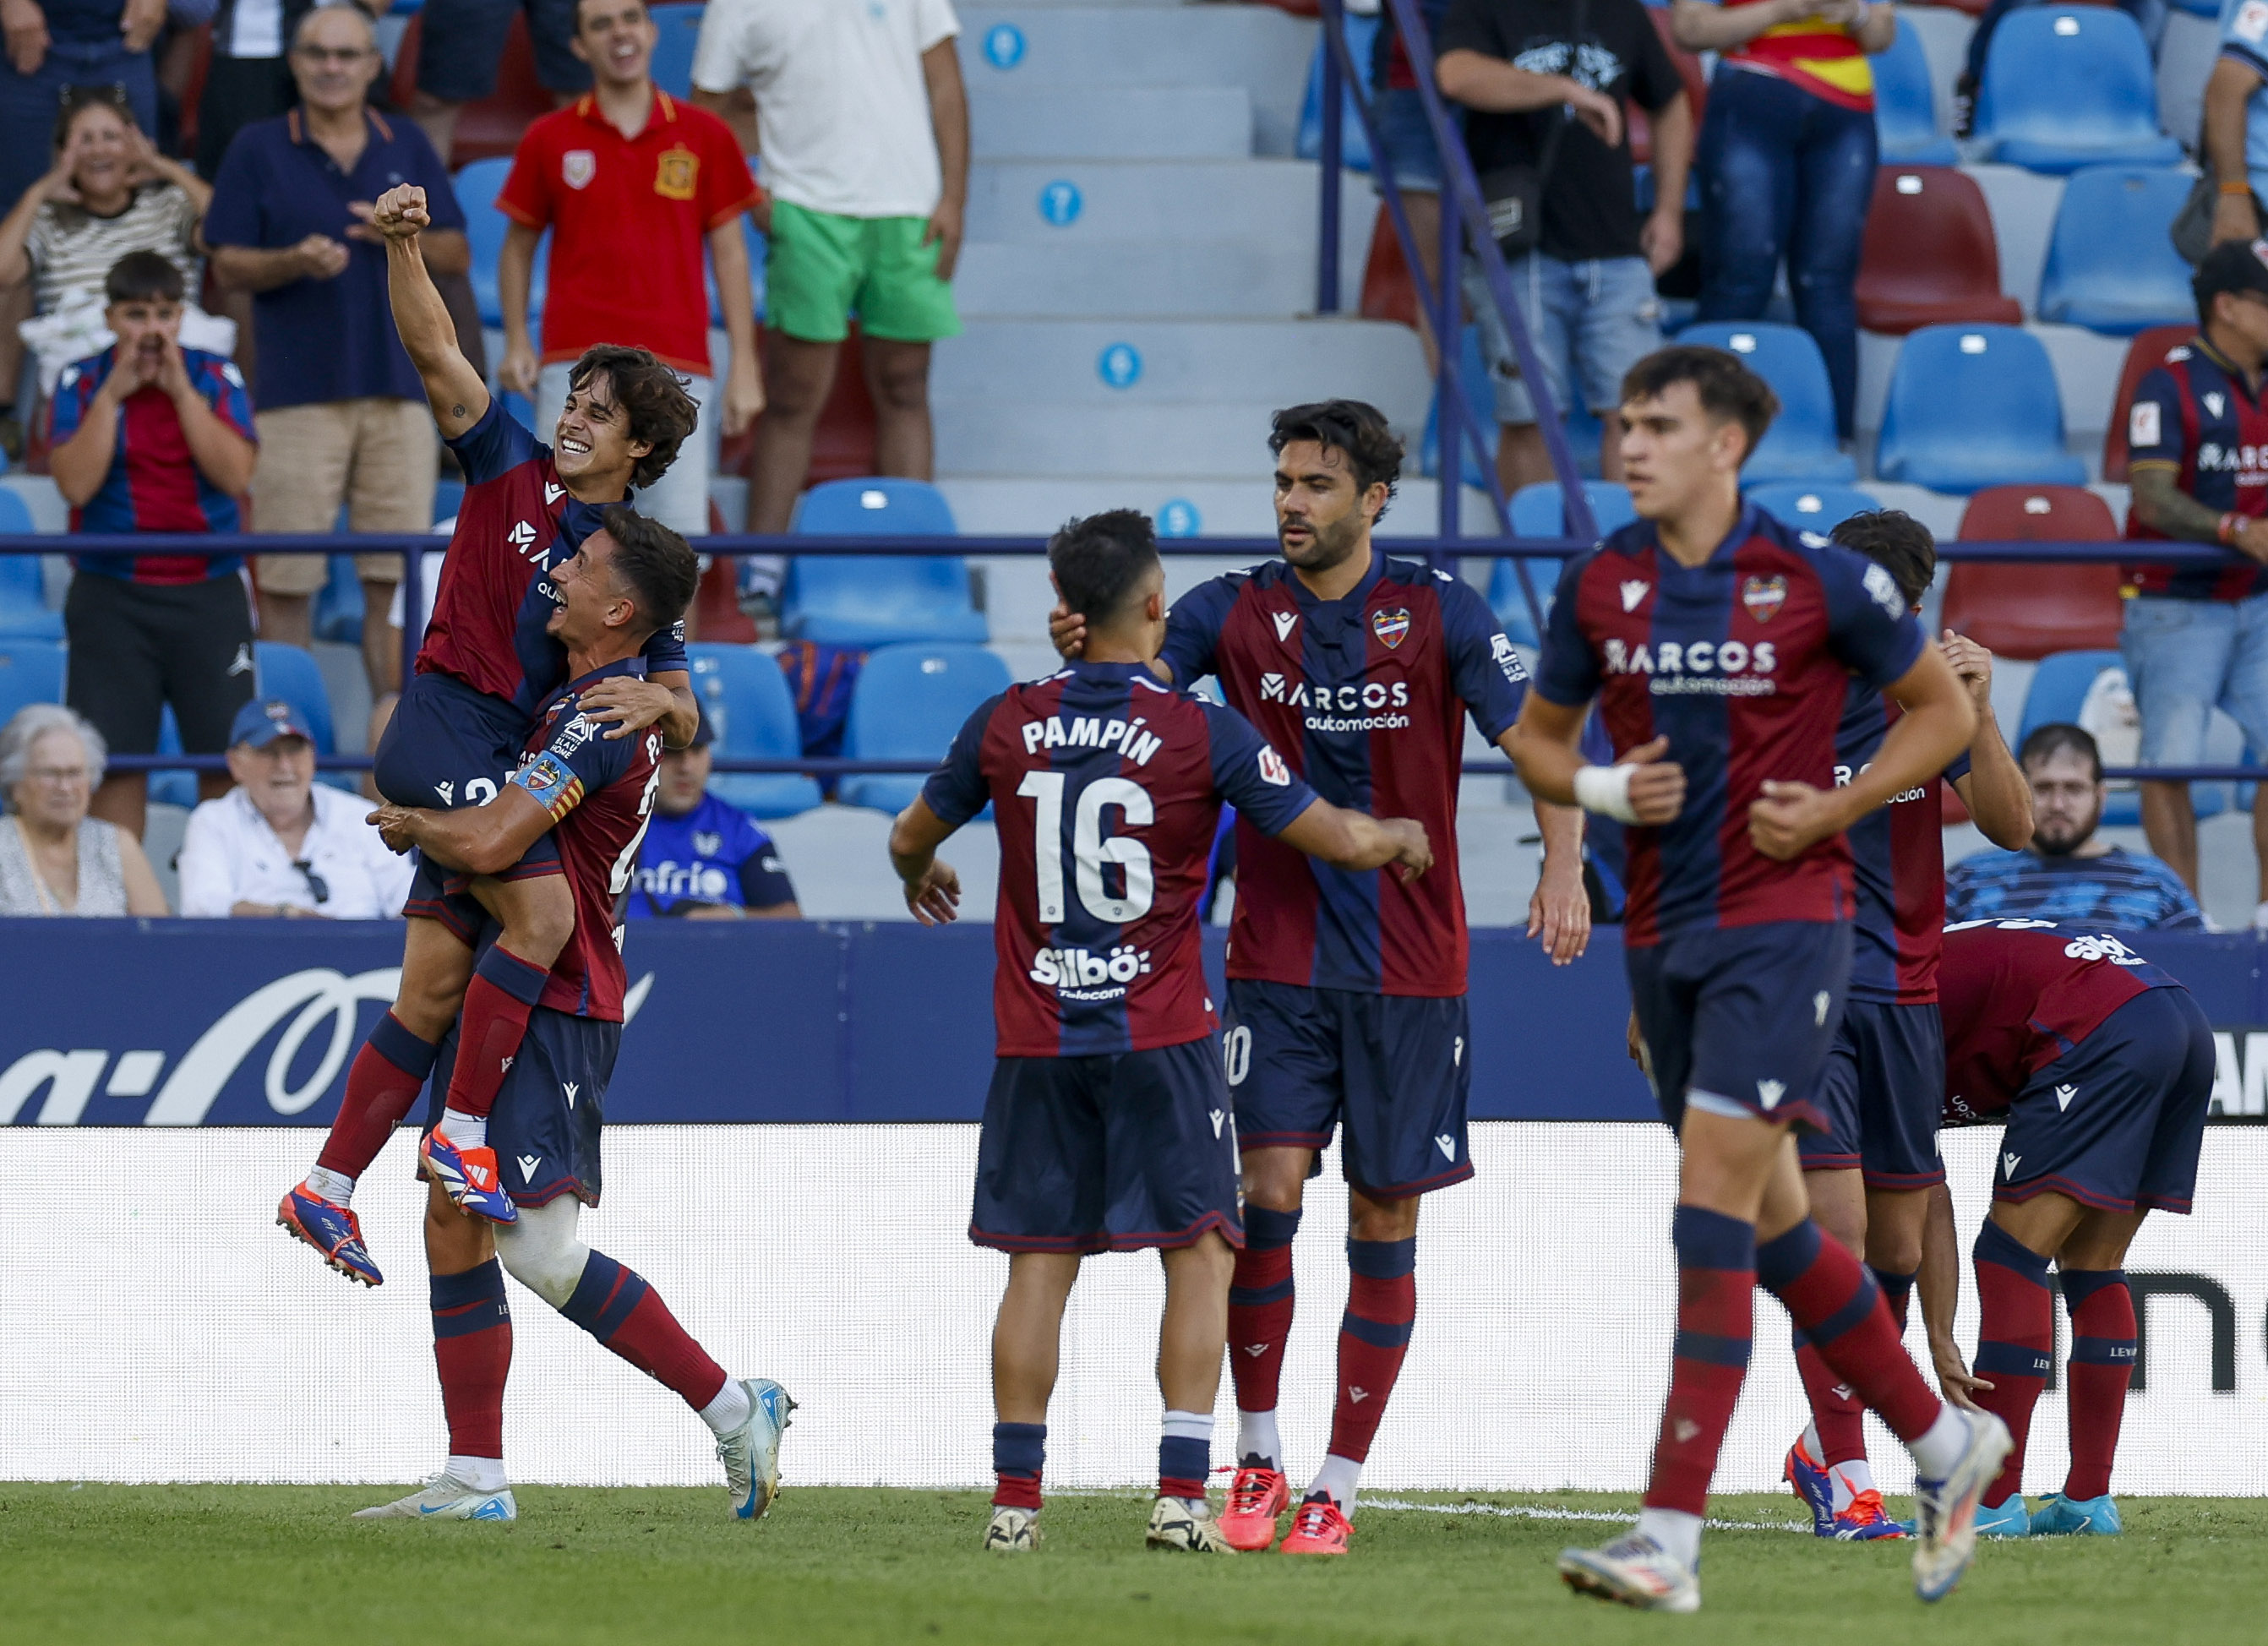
1354	428
575	16
654	566
1896	542
1101	559
652	396
143	277
77	99
2054	739
1728	391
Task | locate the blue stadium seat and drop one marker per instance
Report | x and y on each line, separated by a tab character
672	63
449	496
290	673
907	705
745	699
2069	86
2057	694
175	788
23	613
31	671
1801	443
843	601
754	239
2111	267
339	606
1974	405
484	226
1819	509
1480	403
1537	511
1354	147
1905	107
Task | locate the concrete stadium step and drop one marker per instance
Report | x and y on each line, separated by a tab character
1217	439
1206	122
1181	279
2023	206
1270	201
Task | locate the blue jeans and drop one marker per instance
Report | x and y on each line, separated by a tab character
1590	322
2150	14
2185	658
1784	174
28	103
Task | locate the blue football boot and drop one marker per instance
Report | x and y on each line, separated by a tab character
333	1230
2061	1517
469	1177
2009	1520
1808	1479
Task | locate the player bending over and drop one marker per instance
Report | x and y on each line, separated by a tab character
592	796
1108	1126
1721	644
2102	1067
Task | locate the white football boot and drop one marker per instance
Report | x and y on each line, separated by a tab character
1012	1531
750	1453
1635	1570
446	1499
1185	1524
1945	1511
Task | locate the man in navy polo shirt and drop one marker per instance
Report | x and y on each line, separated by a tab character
342	415
703	856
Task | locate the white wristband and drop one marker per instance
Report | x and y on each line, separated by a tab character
1605	790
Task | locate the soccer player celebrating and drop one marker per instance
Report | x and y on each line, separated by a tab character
1108	1127
593	797
1722	644
1346	988
487	663
2102	1067
1868	1174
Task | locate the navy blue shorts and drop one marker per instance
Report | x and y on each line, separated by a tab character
1739	1018
463	43
2118	1121
1882	1095
548	1113
1390	1068
1115	1153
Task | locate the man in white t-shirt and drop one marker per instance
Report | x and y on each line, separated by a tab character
864	150
281	845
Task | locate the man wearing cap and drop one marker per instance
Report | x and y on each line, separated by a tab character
281	845
703	857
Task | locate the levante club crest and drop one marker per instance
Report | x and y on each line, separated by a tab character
1390	627
1763	597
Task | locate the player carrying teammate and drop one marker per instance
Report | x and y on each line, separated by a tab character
1346	991
1108	1126
488	662
1722	644
592	796
2102	1066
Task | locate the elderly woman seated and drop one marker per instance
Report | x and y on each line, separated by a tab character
53	858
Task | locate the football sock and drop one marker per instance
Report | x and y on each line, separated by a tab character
1897	1291
1258	1441
504	991
1716	1282
335	1187
382	1084
729	1410
1837	1419
1675	1530
467	1131
1260	1302
1019	1452
1337	1481
483	1475
1184	1454
2102	1341
1838	1308
472	1349
2015	1342
1374	1337
618	1308
1850	1478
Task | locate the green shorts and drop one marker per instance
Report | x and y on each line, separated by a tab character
821	268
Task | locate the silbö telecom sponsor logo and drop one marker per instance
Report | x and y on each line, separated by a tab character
1083	974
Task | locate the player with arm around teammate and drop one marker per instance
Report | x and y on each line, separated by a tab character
1109	1124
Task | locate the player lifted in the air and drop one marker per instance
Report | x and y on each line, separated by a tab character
1868	1174
592	796
2102	1067
1108	1126
1721	645
487	665
1346	988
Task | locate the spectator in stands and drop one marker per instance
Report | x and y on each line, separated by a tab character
249	76
1546	87
461	45
703	857
1416	158
280	844
2235	136
54	859
2068	872
343	416
2196	638
633	186
866	151
2149	14
1787	163
151	436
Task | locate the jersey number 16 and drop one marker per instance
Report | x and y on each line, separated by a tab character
1089	851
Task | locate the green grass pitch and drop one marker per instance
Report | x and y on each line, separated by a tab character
243	1564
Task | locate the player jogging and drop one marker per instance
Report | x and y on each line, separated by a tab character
1108	1124
487	663
1346	988
1868	1174
2102	1067
592	796
1721	644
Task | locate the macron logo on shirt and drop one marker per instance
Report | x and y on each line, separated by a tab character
1632	593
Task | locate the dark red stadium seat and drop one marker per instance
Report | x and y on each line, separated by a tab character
1389	290
2147	350
2020	611
490	127
1929	258
842	446
717	613
1689	69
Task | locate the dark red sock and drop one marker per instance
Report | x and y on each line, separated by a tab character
504	991
2102	1342
614	1304
1373	1336
1260	1302
2015	1342
1836	1409
1019	1452
472	1348
1835	1305
1716	1288
382	1085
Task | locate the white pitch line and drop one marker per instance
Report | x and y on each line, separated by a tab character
1521	1512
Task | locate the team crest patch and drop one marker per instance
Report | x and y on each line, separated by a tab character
674	173
708	845
1763	597
577	167
1391	627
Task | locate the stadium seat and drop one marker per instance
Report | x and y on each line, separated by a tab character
754	239
484	226
2146	352
31	671
1480	402
2111	267
2032	611
23	613
489	128
339	609
1819	509
2059	693
1905	107
1537	511
672	63
1971	407
1929	257
290	673
872	600
2071	86
909	703
1354	146
448	498
746	699
177	787
1799	445
1389	286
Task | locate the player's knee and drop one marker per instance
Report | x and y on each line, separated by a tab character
541	1252
1383	1220
542	923
1275	1178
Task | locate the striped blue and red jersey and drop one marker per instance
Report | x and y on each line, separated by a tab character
1367	696
1743	663
2192	413
154	483
1898	859
1107	788
2016	994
